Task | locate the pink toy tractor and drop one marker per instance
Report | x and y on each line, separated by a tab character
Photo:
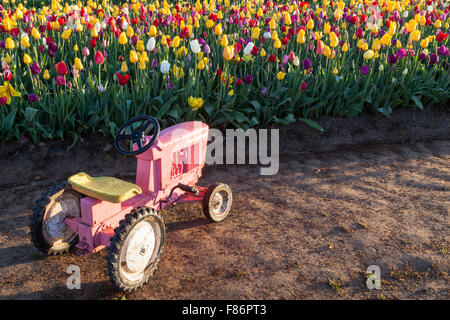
91	213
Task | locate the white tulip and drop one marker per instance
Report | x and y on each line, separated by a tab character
165	67
296	61
97	27
195	46
151	44
267	35
248	48
124	25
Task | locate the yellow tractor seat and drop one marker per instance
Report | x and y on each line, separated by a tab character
104	188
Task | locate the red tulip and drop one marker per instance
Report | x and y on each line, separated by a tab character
99	58
61	68
123	79
441	36
7	75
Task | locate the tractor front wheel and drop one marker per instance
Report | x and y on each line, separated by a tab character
136	248
217	201
49	232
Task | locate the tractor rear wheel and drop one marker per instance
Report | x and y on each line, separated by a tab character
49	232
136	248
217	201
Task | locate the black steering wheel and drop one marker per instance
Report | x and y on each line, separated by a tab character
137	135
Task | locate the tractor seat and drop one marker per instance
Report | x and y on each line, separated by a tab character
104	188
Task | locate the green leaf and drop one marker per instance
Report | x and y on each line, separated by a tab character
418	102
311	123
30	113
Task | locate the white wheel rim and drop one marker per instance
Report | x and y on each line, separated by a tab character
220	202
139	250
55	230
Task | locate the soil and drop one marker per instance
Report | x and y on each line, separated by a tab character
367	191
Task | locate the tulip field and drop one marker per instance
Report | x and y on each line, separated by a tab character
73	67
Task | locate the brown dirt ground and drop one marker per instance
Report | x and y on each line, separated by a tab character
369	190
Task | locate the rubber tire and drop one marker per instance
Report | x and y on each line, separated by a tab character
36	219
208	198
117	241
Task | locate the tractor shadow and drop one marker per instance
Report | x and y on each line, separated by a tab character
183	225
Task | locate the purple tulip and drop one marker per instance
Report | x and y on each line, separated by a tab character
264	90
401	53
434	59
443	51
207	49
60	81
307	63
248	79
2	44
422	56
35	68
392	59
32	98
364	69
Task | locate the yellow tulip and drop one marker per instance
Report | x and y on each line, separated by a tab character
66	34
411	25
27	59
335	70
77	64
437	24
368	54
228	53
9	43
35	33
345	47
424	43
133	56
130	32
209	24
310	24
281	75
415	35
124	67
277	44
334	41
224	41
75	47
255	32
123	38
195	103
392	28
152	32
140	45
272	24
327	51
176	42
24	41
386	39
263	52
398	44
218	29
376	45
46	75
301	36
326	28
